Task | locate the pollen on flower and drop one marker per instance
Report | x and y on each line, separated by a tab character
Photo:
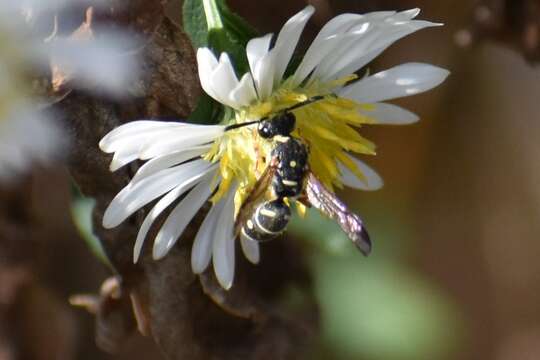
329	128
242	157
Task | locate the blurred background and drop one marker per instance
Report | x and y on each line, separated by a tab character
455	271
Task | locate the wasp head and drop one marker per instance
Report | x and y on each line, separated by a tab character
282	124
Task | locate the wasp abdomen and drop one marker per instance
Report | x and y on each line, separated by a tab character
268	221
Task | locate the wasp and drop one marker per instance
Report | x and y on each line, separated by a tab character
288	176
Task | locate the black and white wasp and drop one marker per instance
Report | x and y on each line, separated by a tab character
288	177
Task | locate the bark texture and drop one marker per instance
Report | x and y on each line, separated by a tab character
188	317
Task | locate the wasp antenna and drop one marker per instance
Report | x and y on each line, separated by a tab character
294	107
309	101
236	126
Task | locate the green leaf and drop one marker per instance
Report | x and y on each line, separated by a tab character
223	41
207	112
210	23
81	212
194	21
383	311
321	233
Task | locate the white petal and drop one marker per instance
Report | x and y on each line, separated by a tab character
372	46
288	39
135	196
315	54
403	80
189	137
264	75
371	182
132	143
250	248
374	33
207	62
164	203
181	216
391	114
338	25
223	243
326	40
379	15
406	15
146	139
168	160
244	93
135	130
256	49
124	156
201	253
224	81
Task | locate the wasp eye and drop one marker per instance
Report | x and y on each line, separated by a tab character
265	130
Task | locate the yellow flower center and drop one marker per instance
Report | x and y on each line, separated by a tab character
327	127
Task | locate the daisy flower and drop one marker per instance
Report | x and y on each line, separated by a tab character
211	163
27	133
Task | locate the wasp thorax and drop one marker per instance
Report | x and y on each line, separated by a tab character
289	178
282	124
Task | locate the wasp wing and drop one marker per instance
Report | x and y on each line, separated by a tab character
327	202
255	196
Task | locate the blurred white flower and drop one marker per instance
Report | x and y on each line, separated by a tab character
28	134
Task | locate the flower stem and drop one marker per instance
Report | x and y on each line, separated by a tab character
213	16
